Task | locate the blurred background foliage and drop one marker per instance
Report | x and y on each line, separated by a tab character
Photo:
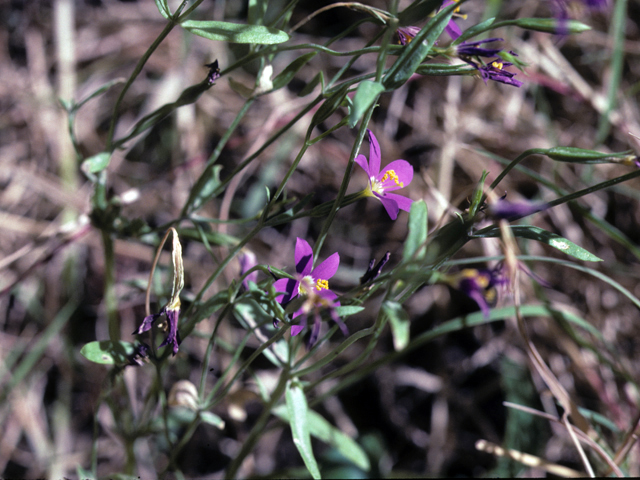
420	414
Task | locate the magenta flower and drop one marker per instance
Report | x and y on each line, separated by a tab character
452	29
398	174
247	260
495	71
511	211
312	284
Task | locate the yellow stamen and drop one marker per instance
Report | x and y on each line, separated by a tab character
391	174
497	65
322	284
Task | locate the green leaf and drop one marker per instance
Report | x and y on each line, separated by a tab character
284	77
209	187
414	245
308	88
366	94
445	70
297	410
235	32
321	429
552	239
106	352
346	310
415	52
257	10
418	11
330	105
96	163
212	419
400	324
475	30
163	8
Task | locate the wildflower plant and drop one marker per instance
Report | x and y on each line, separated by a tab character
292	109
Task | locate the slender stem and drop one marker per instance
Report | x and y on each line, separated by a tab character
110	299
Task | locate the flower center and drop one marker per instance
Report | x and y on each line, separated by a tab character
497	65
308	284
378	185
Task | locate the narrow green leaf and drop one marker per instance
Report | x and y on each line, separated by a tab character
330	105
308	88
321	429
257	10
552	239
416	51
297	410
400	324
445	70
96	163
209	187
346	310
366	94
414	245
418	11
107	352
163	8
475	30
284	77
235	32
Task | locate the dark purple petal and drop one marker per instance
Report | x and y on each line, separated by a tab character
491	72
147	323
391	206
403	202
328	268
402	169
472	49
173	337
315	330
287	285
514	210
304	257
478	297
374	155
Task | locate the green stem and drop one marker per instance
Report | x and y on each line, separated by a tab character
110	298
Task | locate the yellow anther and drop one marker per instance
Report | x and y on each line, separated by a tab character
322	284
391	174
497	65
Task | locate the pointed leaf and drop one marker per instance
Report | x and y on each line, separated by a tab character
106	352
96	163
414	245
297	410
212	419
284	77
366	95
321	429
235	32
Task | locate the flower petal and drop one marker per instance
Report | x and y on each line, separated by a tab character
327	269
403	202
390	205
287	285
173	337
374	155
147	323
402	169
296	329
362	161
303	256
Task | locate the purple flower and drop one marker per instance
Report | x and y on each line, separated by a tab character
396	175
472	49
313	284
514	210
495	71
247	261
173	336
480	285
406	34
452	29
